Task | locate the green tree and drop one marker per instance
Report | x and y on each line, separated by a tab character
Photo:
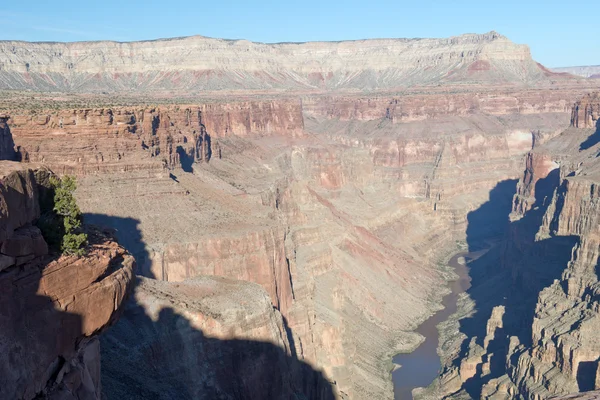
65	207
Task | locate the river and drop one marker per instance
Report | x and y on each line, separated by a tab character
422	366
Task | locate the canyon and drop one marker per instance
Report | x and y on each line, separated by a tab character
291	215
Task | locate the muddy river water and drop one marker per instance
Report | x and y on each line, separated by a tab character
421	367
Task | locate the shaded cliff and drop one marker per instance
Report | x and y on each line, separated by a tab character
7	145
53	306
528	327
205	338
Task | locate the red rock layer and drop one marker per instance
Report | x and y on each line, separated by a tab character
416	107
125	139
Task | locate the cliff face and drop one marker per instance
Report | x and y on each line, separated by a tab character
586	112
147	138
198	63
205	338
53	308
587	71
418	107
528	329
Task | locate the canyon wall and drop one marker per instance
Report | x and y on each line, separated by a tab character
88	141
290	241
434	104
339	208
527	328
53	307
198	63
586	111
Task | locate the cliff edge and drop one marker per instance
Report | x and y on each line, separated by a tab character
53	306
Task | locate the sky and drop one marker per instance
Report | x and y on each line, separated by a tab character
559	33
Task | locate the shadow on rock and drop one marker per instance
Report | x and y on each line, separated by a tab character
48	327
165	357
506	281
185	159
592	140
36	337
128	234
491	219
168	358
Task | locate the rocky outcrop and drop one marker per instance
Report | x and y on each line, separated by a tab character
196	63
586	112
53	307
205	338
538	165
7	145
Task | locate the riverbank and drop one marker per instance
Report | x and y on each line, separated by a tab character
420	367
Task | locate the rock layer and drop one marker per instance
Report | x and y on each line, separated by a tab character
198	63
147	138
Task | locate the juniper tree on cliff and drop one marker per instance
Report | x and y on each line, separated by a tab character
65	206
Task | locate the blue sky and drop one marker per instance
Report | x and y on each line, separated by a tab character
560	33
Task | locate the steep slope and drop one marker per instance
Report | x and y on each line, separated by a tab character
528	327
198	63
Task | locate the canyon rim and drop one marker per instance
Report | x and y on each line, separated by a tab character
274	221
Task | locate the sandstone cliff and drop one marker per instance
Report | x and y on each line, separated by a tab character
586	112
87	141
53	307
198	63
